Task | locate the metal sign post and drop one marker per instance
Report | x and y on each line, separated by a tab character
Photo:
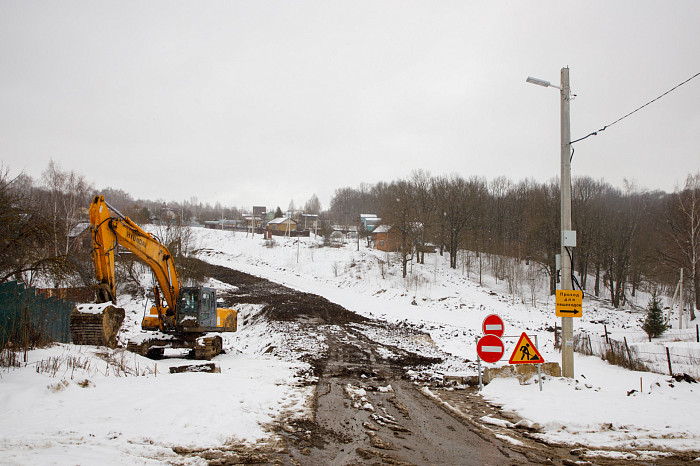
539	367
478	363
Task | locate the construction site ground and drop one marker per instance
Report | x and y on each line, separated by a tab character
366	410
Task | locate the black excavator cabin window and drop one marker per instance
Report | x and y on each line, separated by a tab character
207	304
188	301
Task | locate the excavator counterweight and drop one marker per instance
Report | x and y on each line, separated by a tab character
96	324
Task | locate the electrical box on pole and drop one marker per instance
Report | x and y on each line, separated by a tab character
568	238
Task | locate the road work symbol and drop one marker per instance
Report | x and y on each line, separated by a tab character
525	352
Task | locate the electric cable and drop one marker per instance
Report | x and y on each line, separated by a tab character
573	277
595	133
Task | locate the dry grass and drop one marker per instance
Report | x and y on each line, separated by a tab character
615	352
9	358
121	364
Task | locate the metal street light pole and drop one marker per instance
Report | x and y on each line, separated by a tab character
567	323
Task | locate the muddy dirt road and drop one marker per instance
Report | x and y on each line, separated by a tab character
366	410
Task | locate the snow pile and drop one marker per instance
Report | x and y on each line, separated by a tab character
606	406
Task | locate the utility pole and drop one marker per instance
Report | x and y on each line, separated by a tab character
680	299
567	323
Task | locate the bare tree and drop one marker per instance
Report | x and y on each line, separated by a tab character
498	191
54	180
348	203
25	234
622	215
682	232
425	209
69	194
457	200
313	205
541	237
586	222
399	210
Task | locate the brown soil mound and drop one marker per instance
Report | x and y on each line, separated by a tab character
281	303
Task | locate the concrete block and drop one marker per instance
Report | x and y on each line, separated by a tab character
523	372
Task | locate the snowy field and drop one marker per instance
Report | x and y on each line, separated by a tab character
80	405
83	405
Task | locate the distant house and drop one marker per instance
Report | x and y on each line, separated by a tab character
81	237
78	229
252	221
226	224
310	221
281	225
369	221
387	238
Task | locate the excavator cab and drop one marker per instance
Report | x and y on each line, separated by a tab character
196	310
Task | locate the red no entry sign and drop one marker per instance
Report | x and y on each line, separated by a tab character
493	325
490	348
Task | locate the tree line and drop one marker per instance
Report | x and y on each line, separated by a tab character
41	221
626	238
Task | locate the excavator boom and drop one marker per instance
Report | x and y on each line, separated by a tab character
111	227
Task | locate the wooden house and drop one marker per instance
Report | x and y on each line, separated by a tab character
387	238
282	226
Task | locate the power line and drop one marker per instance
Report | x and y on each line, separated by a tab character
595	133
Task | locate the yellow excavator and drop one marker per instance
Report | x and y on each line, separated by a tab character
181	317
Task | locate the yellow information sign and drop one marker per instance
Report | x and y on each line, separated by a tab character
569	303
525	352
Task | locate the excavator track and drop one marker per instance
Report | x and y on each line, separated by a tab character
212	347
204	349
96	324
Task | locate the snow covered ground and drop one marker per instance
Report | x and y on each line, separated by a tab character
604	406
73	404
83	405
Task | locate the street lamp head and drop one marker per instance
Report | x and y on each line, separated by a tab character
540	82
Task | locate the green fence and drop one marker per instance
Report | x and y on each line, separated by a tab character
26	317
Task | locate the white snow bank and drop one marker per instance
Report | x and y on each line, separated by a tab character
93	413
604	407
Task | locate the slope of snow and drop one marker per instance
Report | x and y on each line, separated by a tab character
71	405
604	406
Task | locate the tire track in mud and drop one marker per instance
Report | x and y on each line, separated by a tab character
376	416
364	410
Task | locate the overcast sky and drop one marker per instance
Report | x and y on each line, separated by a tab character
262	102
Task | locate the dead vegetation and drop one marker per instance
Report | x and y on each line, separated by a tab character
615	352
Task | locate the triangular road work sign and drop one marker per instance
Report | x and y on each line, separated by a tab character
525	352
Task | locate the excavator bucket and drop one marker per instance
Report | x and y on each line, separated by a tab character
96	324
